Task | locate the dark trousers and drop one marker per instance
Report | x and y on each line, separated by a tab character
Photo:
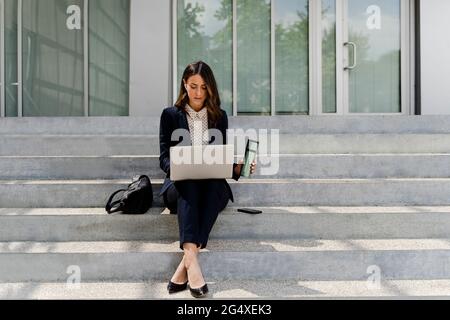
170	197
199	203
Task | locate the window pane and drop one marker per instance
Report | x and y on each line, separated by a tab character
52	59
292	51
11	58
329	56
253	57
205	33
109	35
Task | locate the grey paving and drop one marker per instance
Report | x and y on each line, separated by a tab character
236	290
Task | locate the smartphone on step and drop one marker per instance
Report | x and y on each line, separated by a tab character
250	211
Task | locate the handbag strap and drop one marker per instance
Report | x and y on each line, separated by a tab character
111	206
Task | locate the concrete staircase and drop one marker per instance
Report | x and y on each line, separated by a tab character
360	207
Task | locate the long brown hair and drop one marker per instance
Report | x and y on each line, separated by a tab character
212	101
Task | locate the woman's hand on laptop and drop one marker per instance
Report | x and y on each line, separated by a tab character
238	168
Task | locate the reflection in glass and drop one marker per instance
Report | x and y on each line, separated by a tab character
292	50
253	57
329	56
109	57
11	58
205	33
52	60
374	25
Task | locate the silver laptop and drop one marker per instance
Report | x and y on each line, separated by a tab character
201	162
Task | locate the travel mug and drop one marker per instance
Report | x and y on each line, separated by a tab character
250	155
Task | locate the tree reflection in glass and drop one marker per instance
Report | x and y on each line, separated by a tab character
205	33
291	56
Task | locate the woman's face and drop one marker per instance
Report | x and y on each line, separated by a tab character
197	91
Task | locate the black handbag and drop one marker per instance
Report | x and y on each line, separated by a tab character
136	199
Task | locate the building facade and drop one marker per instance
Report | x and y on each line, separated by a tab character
77	58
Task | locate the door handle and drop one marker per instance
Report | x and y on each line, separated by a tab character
353	45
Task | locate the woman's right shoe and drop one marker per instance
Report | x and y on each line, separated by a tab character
200	292
174	287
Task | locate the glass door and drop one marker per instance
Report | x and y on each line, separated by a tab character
365	60
372	43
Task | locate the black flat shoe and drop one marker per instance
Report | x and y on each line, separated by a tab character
200	292
174	288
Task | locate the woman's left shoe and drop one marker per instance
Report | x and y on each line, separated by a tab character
174	287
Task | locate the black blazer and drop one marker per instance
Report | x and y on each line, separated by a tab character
173	118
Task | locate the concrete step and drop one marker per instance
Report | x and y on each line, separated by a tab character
350	124
215	245
231	289
310	226
363	143
74	167
78	145
106	145
310	166
247	192
247	263
80	125
356	166
289	124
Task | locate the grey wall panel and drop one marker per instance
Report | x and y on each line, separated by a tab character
150	57
435	50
